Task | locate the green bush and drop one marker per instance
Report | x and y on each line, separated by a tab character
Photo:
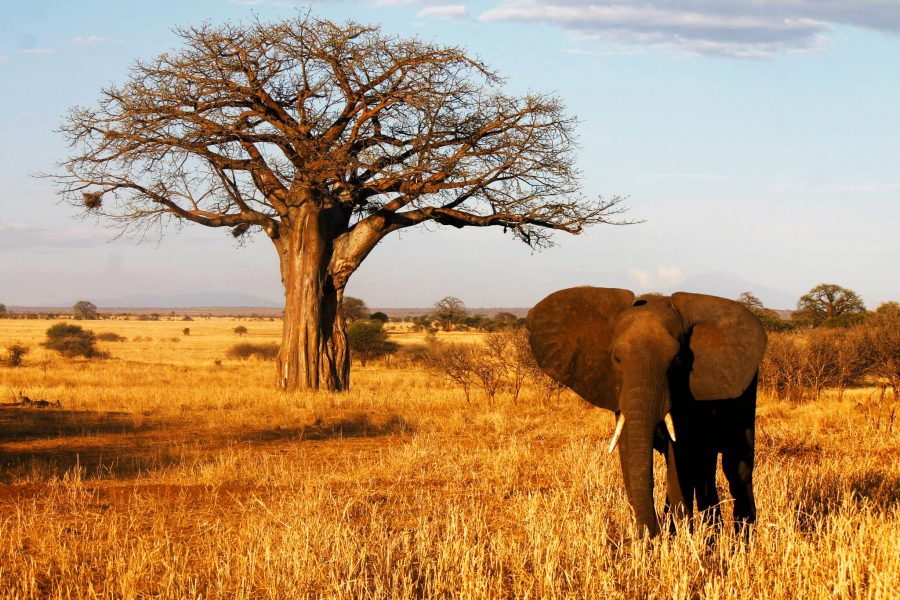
368	341
246	350
15	354
72	340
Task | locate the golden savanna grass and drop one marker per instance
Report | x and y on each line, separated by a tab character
166	474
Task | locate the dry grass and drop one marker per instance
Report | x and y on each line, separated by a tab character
164	474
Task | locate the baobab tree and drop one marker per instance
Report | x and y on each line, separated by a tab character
326	137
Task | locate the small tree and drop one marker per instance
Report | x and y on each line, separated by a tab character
368	341
449	310
750	300
240	331
830	305
15	354
380	316
186	331
771	320
84	310
3	312
454	362
355	309
71	341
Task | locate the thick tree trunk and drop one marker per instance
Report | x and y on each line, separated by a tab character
314	352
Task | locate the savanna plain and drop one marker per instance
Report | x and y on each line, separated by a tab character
170	470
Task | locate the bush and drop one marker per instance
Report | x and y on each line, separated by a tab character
15	354
240	331
883	339
798	366
246	350
186	331
72	340
368	340
110	336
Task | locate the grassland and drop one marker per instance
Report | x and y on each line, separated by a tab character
166	474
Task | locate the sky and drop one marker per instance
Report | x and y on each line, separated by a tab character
758	141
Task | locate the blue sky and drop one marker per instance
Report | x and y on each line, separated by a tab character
759	141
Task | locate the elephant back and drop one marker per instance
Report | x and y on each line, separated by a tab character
570	332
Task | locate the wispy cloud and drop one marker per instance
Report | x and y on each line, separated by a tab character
445	12
3	58
734	28
87	40
38	51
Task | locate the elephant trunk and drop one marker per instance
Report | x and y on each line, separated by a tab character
636	456
644	403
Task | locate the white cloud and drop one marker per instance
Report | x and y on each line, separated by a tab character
38	51
758	29
3	58
663	278
445	12
669	275
641	278
87	40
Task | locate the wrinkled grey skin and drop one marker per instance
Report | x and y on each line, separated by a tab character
690	355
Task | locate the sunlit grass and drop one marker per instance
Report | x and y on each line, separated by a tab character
167	474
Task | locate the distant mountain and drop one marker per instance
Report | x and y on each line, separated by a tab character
200	299
720	283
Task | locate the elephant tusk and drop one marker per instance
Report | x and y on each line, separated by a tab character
620	423
670	425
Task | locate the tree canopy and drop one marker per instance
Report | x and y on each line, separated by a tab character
86	310
327	137
831	305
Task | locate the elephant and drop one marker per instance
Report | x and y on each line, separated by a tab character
680	374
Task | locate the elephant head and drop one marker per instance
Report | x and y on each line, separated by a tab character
638	356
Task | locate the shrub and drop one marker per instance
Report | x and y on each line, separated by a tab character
71	341
454	362
15	354
246	350
186	318
380	316
883	339
410	356
368	340
240	331
798	366
110	336
186	331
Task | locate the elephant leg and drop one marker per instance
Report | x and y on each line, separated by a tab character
704	463
737	464
737	457
679	488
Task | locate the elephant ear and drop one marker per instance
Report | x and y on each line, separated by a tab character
727	341
570	332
